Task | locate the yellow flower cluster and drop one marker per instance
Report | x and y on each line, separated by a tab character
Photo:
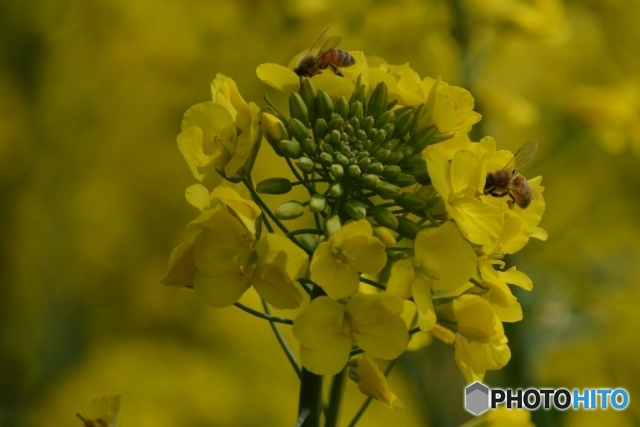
401	202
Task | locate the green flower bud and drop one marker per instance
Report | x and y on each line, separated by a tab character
355	122
274	186
290	148
342	107
411	201
341	159
308	94
390	172
370	181
344	137
421	139
385	118
385	235
356	110
403	124
375	168
298	130
394	157
327	148
309	147
354	171
361	135
379	138
378	101
336	123
305	164
332	224
420	112
321	128
317	203
298	109
289	210
273	130
388	128
364	163
336	170
367	123
309	241
413	162
336	190
407	228
382	155
326	159
406	151
324	105
388	191
385	217
421	175
358	94
356	209
439	137
334	137
349	130
404	180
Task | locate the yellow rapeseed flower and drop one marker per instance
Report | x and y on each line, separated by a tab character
460	182
475	358
327	330
449	108
443	261
218	137
351	250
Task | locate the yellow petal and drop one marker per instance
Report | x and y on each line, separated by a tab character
439	171
478	221
231	199
319	323
369	257
276	287
337	278
198	196
222	246
422	297
401	278
474	358
467	172
335	86
220	291
182	265
279	77
475	318
329	359
282	253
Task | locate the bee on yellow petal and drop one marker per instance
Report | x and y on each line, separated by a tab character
326	56
101	412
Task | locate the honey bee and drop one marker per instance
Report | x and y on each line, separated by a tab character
507	181
326	56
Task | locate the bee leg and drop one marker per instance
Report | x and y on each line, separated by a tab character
497	194
335	70
512	201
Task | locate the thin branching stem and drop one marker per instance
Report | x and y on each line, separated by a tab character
283	342
268	317
373	283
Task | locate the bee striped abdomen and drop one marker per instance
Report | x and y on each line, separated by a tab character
339	58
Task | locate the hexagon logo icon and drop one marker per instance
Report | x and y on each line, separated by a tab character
476	398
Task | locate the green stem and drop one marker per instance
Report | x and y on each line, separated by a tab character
373	283
268	317
337	388
283	342
366	403
311	388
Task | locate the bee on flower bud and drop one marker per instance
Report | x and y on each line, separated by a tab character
507	181
327	56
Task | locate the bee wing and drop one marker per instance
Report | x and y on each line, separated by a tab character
522	156
319	39
328	45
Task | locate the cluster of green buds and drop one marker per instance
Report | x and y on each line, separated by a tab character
359	149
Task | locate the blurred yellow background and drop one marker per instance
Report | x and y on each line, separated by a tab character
92	93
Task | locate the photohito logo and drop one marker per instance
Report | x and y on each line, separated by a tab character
479	398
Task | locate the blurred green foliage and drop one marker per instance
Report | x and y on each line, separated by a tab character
92	94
